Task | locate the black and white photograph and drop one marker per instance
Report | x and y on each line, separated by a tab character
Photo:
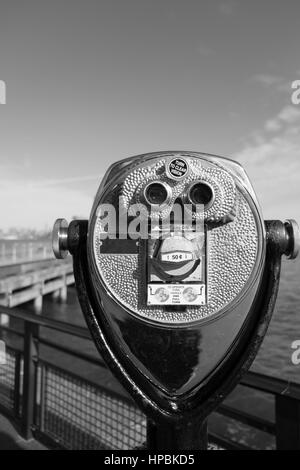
149	228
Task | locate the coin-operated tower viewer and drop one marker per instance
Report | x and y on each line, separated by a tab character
177	275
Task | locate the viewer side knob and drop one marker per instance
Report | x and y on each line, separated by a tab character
293	233
60	238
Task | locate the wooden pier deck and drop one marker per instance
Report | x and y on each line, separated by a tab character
30	281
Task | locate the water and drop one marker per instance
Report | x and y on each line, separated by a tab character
274	357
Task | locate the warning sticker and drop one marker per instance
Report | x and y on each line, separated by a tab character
177	168
176	294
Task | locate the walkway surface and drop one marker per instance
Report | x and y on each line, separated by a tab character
11	440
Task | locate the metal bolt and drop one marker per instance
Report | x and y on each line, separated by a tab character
60	239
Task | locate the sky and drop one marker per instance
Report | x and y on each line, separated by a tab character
89	83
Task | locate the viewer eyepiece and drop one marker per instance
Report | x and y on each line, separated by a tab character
201	193
156	193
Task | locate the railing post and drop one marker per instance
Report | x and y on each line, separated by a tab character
287	423
187	436
17	385
38	301
3	251
29	379
42	399
63	292
30	251
14	253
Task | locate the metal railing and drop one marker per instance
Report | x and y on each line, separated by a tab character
59	407
286	402
66	410
24	251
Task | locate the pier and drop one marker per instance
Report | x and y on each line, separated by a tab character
28	272
35	280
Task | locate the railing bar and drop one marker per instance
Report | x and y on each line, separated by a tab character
57	325
8	412
226	443
14	350
246	418
72	352
271	385
12	330
33	261
252	379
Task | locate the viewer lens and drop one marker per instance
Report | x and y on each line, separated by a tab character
156	194
201	193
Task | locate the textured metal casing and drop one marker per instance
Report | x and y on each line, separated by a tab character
235	247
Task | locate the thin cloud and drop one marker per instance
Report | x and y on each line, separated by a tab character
272	125
273	164
227	8
36	204
288	115
204	51
8	180
38	207
70	180
267	80
273	82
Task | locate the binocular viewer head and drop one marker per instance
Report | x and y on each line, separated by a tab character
175	238
177	275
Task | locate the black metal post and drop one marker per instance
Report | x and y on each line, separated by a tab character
191	435
29	380
17	384
287	423
42	401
